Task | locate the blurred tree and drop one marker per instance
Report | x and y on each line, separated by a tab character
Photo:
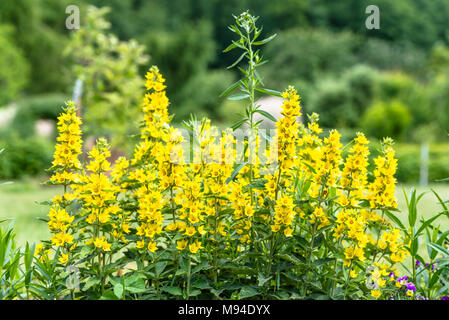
14	69
332	100
386	119
308	55
41	33
112	86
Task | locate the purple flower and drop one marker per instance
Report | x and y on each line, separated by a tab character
444	298
411	286
417	263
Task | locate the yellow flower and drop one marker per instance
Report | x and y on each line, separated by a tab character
38	249
190	231
376	293
194	247
181	244
288	232
64	258
152	246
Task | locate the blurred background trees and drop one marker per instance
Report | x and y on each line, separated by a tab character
392	81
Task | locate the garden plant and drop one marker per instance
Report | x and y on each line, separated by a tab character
289	214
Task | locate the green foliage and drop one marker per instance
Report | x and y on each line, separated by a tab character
308	54
109	69
211	84
409	156
44	106
427	269
386	119
10	280
185	56
24	156
342	101
41	34
14	69
332	100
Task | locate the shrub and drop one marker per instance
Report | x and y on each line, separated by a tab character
386	119
44	106
14	69
212	83
309	54
24	156
109	69
332	100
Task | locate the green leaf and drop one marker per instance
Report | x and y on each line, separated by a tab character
321	261
428	222
396	220
262	279
194	292
160	267
201	284
90	283
266	114
238	124
414	245
202	266
175	291
118	290
237	61
108	295
412	212
230	47
261	42
236	172
439	248
217	292
136	287
290	258
270	92
239	96
247	292
231	88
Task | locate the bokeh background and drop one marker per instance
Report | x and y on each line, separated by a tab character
388	82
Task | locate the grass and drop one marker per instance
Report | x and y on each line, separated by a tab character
428	206
18	202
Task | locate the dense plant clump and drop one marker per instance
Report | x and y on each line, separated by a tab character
315	222
302	219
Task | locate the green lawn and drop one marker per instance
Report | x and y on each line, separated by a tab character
18	202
